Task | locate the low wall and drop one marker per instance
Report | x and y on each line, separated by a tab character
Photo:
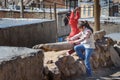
62	30
27	14
20	63
26	32
108	27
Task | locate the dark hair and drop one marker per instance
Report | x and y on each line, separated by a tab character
86	24
81	24
68	13
66	21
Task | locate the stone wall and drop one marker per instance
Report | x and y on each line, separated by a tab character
20	63
30	14
28	35
111	28
62	30
108	27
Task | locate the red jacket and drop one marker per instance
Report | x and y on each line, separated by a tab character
73	23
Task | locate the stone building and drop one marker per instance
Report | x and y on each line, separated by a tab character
108	8
86	8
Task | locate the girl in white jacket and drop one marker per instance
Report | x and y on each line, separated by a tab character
85	44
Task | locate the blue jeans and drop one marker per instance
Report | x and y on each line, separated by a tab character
86	56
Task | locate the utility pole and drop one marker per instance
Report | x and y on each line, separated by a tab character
96	15
21	9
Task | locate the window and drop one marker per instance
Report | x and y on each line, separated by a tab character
84	10
89	11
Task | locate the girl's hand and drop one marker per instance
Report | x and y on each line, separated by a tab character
68	39
77	9
71	42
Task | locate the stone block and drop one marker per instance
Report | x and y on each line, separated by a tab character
20	63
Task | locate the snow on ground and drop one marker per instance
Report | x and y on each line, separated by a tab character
9	22
7	53
115	20
114	36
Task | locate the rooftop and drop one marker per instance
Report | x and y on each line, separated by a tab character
9	22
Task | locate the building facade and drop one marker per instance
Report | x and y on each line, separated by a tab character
87	9
109	8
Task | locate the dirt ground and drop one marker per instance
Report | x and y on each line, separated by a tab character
112	73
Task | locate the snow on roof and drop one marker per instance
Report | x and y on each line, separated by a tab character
58	10
9	22
84	2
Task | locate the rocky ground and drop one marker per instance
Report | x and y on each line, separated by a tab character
111	73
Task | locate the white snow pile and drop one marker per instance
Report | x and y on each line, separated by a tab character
9	53
114	36
9	22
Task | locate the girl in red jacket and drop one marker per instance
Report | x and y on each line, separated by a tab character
72	19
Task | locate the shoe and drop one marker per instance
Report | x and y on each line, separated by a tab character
91	78
71	51
79	59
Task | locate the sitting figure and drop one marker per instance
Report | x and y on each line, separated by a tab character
85	43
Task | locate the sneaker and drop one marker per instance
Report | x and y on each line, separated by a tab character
91	77
71	51
79	59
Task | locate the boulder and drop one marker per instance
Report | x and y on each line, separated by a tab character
21	63
115	57
69	68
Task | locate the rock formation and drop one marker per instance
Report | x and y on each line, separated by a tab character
105	55
20	63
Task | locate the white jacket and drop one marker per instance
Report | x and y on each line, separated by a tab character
85	37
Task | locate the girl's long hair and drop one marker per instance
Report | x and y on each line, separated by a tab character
86	24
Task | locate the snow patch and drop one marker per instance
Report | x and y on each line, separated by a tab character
114	36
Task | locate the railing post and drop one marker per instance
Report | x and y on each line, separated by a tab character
5	4
44	10
50	12
21	9
55	17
